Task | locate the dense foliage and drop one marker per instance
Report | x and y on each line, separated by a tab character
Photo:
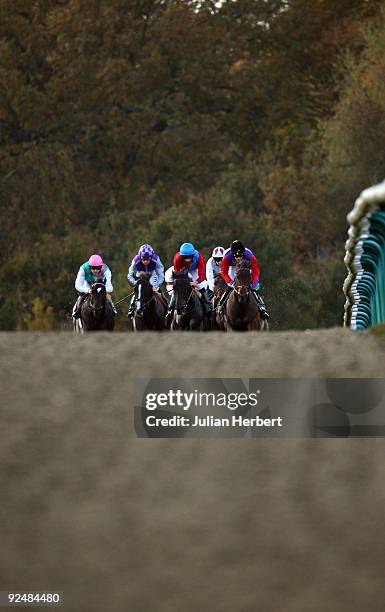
166	121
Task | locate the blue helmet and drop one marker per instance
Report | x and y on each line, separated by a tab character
145	251
187	249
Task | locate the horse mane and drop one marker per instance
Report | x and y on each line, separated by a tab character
219	281
181	274
244	265
97	284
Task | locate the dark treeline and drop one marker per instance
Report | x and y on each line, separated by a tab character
164	121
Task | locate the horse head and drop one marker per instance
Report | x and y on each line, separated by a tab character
144	293
97	301
182	291
220	284
242	281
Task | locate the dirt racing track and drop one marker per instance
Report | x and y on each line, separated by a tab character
125	524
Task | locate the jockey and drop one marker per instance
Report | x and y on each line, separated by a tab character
146	260
92	271
214	266
234	255
188	258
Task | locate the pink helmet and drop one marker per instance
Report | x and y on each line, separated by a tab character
218	252
95	260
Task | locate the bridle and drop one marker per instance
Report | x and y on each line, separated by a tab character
183	309
97	310
140	311
242	291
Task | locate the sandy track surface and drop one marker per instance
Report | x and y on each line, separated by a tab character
120	523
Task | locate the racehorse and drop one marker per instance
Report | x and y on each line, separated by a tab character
96	312
150	308
242	312
188	313
220	287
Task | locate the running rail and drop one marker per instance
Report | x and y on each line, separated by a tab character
364	286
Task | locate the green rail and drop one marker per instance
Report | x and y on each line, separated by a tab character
364	286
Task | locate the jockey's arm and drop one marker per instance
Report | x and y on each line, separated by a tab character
225	271
210	274
131	276
178	263
201	269
81	284
169	279
107	276
255	272
159	272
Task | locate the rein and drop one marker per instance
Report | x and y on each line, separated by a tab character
237	289
96	309
184	307
140	311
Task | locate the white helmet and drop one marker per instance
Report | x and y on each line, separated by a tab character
218	252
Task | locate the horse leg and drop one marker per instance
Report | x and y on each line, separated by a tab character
174	323
254	325
196	324
138	323
110	324
78	326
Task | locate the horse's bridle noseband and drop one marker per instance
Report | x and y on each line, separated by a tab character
97	310
140	311
183	309
242	291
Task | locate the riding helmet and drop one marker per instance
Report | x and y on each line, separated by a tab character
237	247
187	249
146	251
95	260
218	252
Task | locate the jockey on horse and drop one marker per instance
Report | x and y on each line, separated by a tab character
188	258
92	271
148	261
233	256
214	266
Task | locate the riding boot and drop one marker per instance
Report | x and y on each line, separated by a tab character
114	311
223	300
131	310
77	307
261	305
75	311
170	312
